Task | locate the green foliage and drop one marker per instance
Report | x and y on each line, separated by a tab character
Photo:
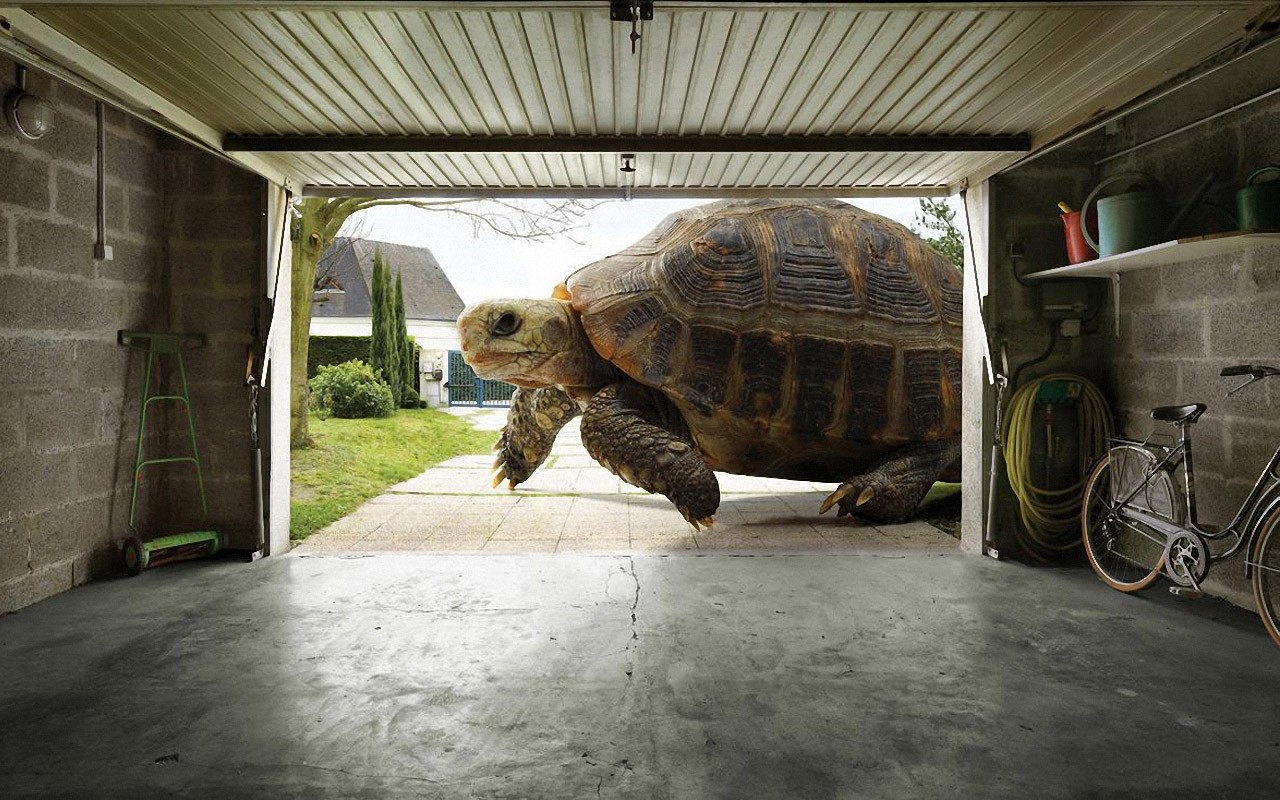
947	240
356	459
408	372
351	390
328	350
411	399
384	348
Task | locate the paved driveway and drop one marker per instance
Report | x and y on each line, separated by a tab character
572	504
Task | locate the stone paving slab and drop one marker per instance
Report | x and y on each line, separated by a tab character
572	504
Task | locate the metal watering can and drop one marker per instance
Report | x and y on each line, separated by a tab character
1137	218
1258	205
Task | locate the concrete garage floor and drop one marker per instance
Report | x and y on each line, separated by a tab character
573	505
575	676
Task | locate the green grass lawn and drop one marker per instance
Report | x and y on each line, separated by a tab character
354	460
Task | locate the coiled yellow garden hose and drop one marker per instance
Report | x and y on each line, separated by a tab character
1051	517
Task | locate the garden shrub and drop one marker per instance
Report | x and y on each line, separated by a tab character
351	390
411	399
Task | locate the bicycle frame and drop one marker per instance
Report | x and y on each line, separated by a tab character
1263	498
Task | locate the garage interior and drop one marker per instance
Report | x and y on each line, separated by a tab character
180	132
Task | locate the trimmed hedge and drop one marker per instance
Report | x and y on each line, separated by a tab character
331	350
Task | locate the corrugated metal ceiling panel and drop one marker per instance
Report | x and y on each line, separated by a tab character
565	69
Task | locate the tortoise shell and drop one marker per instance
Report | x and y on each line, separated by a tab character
815	318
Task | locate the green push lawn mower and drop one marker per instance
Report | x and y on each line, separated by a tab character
137	554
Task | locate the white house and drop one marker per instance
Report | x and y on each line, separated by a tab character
342	306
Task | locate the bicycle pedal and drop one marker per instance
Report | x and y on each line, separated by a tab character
1185	593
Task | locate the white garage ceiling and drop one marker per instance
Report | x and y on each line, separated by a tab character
718	99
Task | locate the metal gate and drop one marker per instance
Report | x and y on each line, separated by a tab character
465	389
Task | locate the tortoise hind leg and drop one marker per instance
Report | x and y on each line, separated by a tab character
623	429
892	488
535	417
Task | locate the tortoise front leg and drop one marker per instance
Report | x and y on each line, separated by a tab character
892	488
536	416
621	428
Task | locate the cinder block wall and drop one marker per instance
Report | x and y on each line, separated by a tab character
1179	324
68	392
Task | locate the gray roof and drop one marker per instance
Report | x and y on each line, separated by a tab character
348	263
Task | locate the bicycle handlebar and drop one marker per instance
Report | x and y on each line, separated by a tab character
1258	372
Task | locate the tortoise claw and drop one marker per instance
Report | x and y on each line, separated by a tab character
839	494
499	476
840	497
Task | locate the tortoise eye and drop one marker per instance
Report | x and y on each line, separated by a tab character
506	325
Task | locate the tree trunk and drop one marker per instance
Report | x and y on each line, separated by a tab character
308	244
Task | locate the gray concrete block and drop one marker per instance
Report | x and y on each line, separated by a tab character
24	590
100	470
132	161
1200	382
1197	282
1245	331
220	222
104	364
241	266
11	427
1264	268
5	238
1253	441
74	103
45	480
188	172
1178	333
15	553
53	247
48	303
67	530
75	196
238	182
134	262
1145	383
194	267
26	181
61	419
30	361
202	313
143	213
73	142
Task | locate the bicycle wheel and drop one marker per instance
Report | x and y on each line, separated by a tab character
1127	555
1266	575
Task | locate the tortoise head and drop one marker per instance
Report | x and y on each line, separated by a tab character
530	343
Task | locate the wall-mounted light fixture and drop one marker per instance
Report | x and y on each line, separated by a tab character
627	162
29	116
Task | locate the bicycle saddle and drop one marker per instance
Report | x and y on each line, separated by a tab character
1179	414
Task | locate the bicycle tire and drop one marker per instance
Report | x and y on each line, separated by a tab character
1266	575
1127	556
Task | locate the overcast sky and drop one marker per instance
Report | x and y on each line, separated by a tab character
491	266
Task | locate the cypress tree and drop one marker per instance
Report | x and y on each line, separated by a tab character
384	351
407	381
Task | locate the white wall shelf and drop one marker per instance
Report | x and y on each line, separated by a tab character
1157	255
1178	251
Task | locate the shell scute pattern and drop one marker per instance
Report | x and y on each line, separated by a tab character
815	317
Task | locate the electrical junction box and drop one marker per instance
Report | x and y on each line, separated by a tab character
1064	300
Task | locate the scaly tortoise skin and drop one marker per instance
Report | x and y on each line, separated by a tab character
808	340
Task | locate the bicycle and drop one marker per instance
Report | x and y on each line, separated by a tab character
1138	524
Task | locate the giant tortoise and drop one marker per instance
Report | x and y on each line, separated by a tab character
809	340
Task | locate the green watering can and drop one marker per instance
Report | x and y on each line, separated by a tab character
1137	218
1130	220
1258	204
